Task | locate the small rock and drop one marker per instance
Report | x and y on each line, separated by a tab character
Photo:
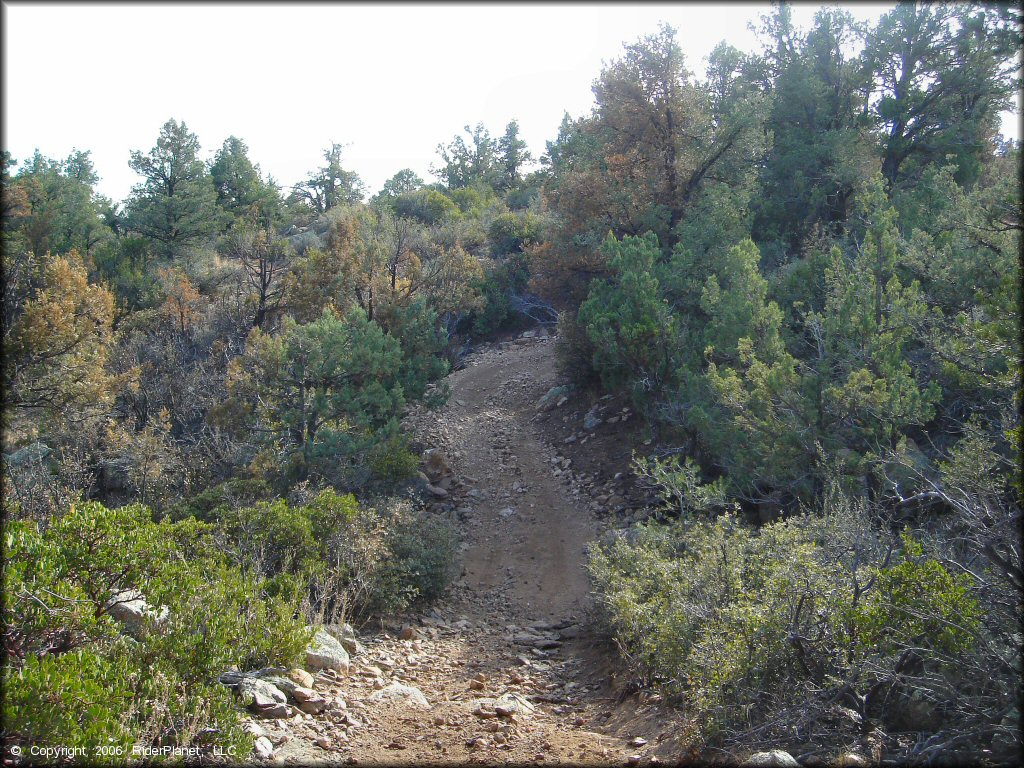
323	742
272	711
314	705
852	760
254	692
263	748
129	607
441	493
398	692
776	758
591	421
638	742
301	677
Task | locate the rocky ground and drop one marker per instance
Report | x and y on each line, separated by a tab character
509	667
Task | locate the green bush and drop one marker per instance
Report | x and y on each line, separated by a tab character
501	280
76	699
509	233
423	551
392	461
384	559
630	327
428	206
737	619
73	679
238	491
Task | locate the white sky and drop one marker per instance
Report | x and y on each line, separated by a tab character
389	81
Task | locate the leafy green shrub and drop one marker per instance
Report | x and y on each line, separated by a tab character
501	280
737	619
77	699
73	679
383	559
392	461
630	326
423	550
238	491
342	560
917	602
428	206
509	233
574	352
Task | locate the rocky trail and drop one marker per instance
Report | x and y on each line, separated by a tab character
507	668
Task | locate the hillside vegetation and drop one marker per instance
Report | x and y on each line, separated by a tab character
801	268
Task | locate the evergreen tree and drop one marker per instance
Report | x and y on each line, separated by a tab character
175	205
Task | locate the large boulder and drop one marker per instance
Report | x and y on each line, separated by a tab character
346	635
325	652
129	607
397	692
33	453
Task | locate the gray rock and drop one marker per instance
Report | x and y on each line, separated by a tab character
553	398
591	420
302	677
129	607
254	729
776	758
325	652
261	693
398	692
263	748
507	705
30	454
309	700
284	684
346	635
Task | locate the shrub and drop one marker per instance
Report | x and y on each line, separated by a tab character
739	619
392	461
428	206
73	679
500	281
382	560
509	233
630	327
574	352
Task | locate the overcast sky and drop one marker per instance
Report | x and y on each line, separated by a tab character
389	81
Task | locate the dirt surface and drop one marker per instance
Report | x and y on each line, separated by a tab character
517	622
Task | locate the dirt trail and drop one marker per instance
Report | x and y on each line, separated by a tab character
515	622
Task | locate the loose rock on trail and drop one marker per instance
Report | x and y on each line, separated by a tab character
505	668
